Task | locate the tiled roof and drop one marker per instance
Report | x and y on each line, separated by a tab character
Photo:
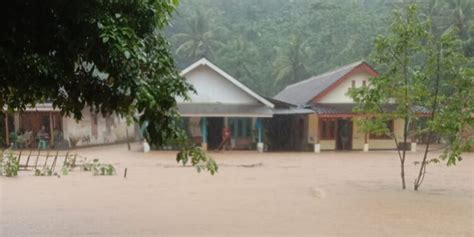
302	92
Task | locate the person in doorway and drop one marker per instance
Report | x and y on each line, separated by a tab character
43	138
226	135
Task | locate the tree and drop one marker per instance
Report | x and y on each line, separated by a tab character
199	40
413	62
108	55
450	99
398	84
289	66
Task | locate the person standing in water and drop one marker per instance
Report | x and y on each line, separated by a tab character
226	135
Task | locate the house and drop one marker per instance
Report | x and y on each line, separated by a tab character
331	126
45	123
221	101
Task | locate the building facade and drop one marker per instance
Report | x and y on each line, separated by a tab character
44	127
222	102
331	125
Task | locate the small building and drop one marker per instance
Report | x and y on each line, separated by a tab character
221	101
331	126
44	123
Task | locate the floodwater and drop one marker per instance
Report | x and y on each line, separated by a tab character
269	194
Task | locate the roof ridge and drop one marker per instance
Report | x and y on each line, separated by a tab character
326	73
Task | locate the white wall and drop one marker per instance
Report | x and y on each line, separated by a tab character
213	88
339	94
82	130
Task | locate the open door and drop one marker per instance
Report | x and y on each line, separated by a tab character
214	136
344	134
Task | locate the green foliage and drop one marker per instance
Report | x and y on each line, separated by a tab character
256	42
420	71
98	169
400	83
45	171
109	56
9	164
198	158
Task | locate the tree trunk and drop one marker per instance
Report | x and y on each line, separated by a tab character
422	171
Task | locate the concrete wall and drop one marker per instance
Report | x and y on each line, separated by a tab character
211	87
109	130
358	137
313	128
339	94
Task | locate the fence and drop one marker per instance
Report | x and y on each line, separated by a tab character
30	160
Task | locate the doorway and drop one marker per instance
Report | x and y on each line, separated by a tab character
344	134
214	129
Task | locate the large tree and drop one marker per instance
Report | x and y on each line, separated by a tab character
107	55
420	72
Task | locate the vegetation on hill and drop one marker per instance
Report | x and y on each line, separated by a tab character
268	44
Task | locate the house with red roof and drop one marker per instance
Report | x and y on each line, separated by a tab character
331	125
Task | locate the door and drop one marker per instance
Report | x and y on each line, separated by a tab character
344	134
214	134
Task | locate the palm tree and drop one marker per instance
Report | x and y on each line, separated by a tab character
289	65
198	40
461	11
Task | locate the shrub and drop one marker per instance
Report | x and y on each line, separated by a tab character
9	165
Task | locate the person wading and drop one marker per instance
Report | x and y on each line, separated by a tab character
226	135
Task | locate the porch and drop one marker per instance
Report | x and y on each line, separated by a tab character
205	125
40	128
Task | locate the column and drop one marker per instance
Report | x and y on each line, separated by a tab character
366	142
204	133
7	132
413	137
259	126
317	145
235	131
51	129
143	131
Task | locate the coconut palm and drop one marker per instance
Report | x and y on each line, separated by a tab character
199	38
462	12
289	65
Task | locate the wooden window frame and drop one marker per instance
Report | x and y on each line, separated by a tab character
325	127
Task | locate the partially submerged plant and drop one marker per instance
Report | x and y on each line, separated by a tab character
98	169
9	164
198	158
46	171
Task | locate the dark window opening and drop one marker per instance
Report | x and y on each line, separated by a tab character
328	129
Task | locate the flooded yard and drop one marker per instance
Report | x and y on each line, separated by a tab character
253	194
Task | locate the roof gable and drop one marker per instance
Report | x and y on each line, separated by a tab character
314	88
205	62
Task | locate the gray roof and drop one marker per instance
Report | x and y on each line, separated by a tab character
347	108
293	110
302	92
223	110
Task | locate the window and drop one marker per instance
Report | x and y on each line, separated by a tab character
364	83
353	83
328	129
389	125
241	127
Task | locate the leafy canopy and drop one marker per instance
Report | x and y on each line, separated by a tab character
107	55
